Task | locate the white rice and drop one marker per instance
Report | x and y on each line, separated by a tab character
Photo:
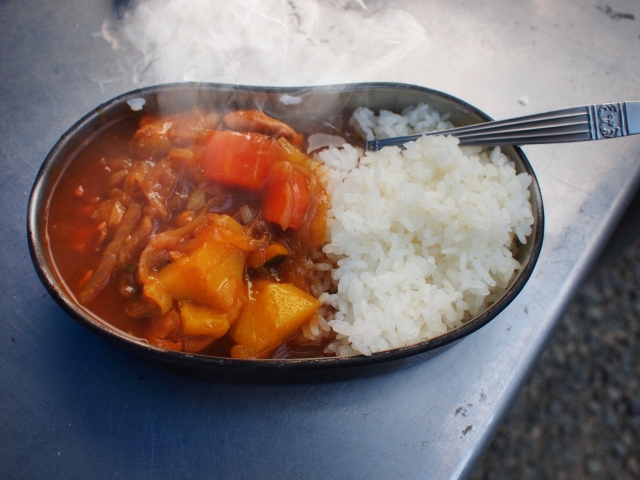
413	120
423	238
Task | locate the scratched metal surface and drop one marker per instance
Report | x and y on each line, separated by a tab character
72	406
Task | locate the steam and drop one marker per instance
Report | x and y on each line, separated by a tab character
259	42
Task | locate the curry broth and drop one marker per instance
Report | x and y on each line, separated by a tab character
78	243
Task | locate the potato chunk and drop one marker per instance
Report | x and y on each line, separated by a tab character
270	318
203	321
212	275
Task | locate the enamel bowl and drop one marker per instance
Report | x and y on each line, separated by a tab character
310	109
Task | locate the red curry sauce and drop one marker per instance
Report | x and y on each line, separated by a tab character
155	196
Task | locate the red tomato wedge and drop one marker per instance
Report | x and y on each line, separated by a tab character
286	197
239	160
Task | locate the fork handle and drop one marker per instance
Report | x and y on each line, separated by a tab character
576	124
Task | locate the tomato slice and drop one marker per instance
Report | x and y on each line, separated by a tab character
286	197
239	160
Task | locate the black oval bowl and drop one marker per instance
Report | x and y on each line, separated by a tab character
309	109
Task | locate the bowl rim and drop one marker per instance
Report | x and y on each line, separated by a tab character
103	328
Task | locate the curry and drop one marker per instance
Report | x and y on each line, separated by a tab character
199	232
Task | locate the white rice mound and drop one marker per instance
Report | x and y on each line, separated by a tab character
413	120
423	238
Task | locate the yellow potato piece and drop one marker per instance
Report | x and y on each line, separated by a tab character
271	317
204	321
212	275
156	292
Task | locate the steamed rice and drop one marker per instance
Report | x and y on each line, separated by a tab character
422	239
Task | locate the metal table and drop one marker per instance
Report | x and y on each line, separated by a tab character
73	406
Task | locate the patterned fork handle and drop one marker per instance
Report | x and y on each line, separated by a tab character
577	124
